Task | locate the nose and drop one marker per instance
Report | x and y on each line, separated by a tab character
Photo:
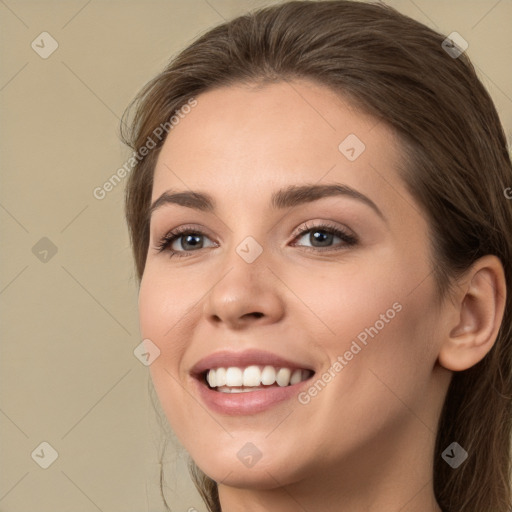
247	294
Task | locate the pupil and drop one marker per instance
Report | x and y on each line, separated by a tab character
322	238
189	238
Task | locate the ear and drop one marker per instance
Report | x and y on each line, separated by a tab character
478	311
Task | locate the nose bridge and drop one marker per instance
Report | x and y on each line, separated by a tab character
245	287
247	239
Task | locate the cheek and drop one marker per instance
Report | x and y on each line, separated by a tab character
171	310
164	304
343	299
388	355
163	317
379	325
165	312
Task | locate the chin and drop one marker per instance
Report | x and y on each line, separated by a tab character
268	472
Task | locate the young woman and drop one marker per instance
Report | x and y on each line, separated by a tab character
322	232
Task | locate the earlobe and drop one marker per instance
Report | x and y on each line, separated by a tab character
479	313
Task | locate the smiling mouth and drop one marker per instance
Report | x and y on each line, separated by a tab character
235	379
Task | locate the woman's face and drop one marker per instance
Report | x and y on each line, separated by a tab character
356	306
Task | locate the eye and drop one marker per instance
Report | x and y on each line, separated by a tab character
322	236
189	239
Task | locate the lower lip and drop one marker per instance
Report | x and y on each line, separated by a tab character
247	403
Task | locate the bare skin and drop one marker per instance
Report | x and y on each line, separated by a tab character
365	440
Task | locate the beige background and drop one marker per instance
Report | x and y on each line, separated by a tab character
69	324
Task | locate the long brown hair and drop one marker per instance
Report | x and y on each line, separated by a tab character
458	169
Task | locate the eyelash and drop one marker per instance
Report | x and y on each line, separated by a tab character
165	243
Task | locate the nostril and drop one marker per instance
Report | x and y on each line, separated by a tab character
255	314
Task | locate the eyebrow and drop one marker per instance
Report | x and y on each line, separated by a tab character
288	197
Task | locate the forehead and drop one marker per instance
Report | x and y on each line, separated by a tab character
244	139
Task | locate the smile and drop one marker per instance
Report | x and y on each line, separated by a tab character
252	378
248	382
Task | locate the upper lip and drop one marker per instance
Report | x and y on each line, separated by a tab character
227	358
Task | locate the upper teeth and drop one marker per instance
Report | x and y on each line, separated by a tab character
255	376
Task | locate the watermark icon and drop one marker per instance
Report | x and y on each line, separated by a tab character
304	397
454	455
158	134
508	192
44	250
454	45
249	455
146	352
351	147
249	249
44	455
44	45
